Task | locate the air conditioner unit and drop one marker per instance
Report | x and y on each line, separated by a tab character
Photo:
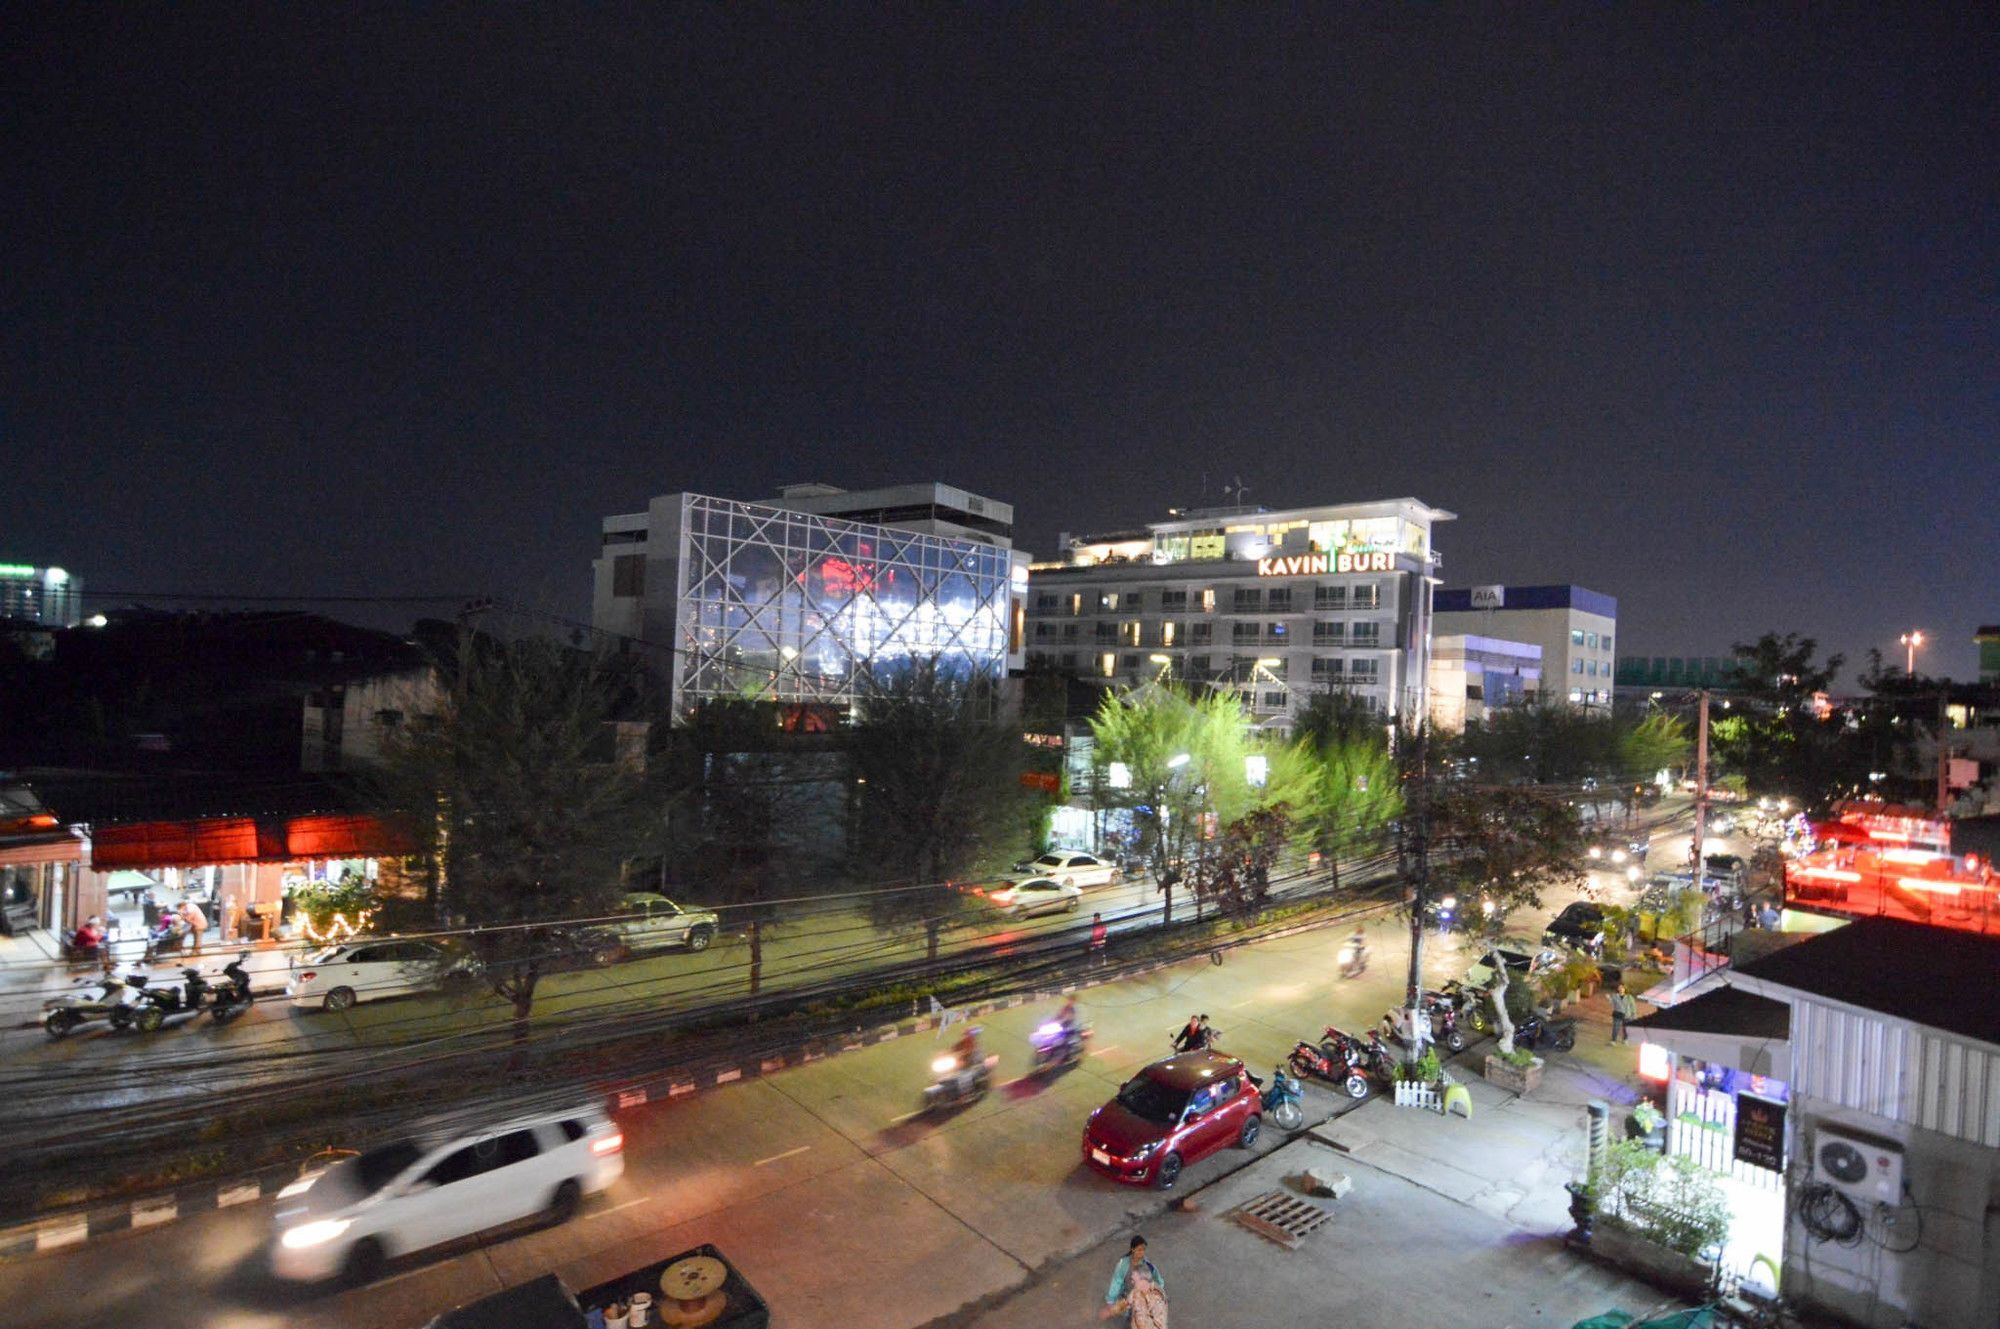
1862	1166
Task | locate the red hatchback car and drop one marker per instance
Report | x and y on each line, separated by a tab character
1173	1113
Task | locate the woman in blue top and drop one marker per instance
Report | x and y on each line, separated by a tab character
1121	1277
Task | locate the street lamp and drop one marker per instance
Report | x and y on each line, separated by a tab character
1911	640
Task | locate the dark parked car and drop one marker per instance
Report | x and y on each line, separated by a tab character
1173	1113
1580	925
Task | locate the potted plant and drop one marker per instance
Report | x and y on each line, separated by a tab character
1515	1069
1420	1083
1659	1217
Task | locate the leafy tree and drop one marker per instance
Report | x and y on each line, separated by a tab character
1180	761
1502	846
1657	742
941	795
1546	741
1781	739
526	813
1237	876
1339	717
1347	790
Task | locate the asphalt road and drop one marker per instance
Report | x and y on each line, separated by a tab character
839	1203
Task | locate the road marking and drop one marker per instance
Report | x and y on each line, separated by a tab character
628	1204
1098	1052
787	1154
906	1118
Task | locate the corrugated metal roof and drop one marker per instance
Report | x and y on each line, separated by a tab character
1931	976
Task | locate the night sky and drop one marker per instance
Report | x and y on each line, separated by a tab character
1692	304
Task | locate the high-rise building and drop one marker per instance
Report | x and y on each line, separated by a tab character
1574	627
1274	605
48	596
810	597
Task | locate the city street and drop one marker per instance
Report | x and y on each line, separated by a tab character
777	1171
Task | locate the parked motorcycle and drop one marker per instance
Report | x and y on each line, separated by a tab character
958	1083
159	1004
1539	1030
1331	1062
1284	1101
110	998
1054	1048
1443	1012
1474	1007
233	998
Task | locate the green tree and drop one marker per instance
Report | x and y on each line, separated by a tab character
524	809
1502	846
1781	737
1177	760
1236	878
1546	741
1656	742
1346	791
941	795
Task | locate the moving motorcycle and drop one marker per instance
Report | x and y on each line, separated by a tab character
1054	1047
1208	1036
1353	959
958	1083
109	998
1332	1062
1284	1101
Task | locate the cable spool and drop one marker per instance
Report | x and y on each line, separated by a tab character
692	1293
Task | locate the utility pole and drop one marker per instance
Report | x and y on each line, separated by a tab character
1943	756
1417	814
1700	788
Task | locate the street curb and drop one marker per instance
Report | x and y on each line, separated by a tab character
54	1233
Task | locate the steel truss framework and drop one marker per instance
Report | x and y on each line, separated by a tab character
785	606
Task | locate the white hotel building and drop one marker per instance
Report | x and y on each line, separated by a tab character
1276	605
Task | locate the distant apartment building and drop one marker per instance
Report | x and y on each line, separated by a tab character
1471	677
49	596
1574	627
805	598
1274	605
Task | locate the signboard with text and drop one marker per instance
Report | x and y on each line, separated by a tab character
1760	1132
1320	565
1489	597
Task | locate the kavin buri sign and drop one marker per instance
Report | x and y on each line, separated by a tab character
1311	565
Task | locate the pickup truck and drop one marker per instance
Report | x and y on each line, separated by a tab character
650	921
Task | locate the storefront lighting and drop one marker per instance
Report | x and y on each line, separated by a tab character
1655	1062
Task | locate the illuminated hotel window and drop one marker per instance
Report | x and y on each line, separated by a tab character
1167	632
1208	600
1107	664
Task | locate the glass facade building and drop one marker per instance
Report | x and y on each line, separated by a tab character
769	604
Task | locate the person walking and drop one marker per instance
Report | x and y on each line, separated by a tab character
1118	1297
197	923
1623	1008
1099	934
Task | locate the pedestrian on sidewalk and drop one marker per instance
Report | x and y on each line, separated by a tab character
1145	1306
1098	936
197	923
1118	1297
1623	1008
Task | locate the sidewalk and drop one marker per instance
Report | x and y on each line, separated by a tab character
32	970
1452	1221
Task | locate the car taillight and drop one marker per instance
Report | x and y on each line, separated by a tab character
609	1144
308	976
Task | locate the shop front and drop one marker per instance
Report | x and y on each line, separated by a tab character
241	873
1719	1065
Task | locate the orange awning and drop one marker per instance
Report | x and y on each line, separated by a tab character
166	844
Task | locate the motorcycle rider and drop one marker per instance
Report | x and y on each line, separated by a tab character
966	1049
1354	957
1070	1023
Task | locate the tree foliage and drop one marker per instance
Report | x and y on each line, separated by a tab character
524	809
1237	876
1780	735
1498	848
941	794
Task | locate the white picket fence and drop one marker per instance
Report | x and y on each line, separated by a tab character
1418	1094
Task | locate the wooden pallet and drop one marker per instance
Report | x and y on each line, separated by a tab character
1281	1217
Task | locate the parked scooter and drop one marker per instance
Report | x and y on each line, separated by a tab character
1443	1012
1284	1101
1055	1048
1473	1006
233	998
110	998
166	1002
1331	1062
1539	1030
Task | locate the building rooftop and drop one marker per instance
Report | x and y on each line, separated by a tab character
1724	1010
1927	975
1458	599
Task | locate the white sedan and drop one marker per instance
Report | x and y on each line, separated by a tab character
1036	895
1074	868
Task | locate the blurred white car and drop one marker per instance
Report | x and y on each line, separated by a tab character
1036	895
366	969
1073	868
438	1186
651	920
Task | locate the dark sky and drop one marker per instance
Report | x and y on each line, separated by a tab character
1692	304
